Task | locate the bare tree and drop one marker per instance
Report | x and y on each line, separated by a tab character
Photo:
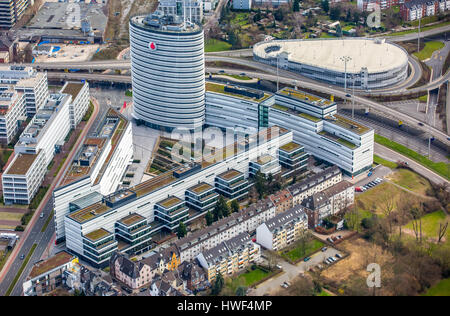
388	205
442	230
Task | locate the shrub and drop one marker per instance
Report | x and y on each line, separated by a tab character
19	228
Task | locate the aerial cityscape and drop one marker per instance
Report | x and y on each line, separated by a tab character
225	148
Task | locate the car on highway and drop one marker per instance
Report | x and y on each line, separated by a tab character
243	74
420	124
22	256
42	215
348	95
221	71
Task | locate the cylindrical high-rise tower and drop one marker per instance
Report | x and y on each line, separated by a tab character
167	71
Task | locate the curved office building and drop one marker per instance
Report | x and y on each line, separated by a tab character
168	72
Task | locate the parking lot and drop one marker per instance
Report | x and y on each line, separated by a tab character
378	172
291	271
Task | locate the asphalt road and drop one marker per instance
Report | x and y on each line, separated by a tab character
32	232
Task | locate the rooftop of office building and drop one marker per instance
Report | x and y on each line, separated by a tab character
131	219
169	202
42	120
201	188
348	124
111	128
308	98
296	112
8	99
159	22
169	177
97	234
237	92
72	88
290	147
21	164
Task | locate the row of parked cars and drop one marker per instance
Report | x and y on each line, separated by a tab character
369	185
330	260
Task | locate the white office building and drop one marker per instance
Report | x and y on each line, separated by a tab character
102	216
80	100
242	4
167	71
35	150
97	169
28	81
12	114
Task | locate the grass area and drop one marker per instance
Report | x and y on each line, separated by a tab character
326	35
422	29
238	77
129	93
423	98
6	216
4	156
59	166
429	49
247	279
213	45
430	224
440	289
371	201
24	264
49	218
4	257
380	161
440	168
38	197
299	252
88	113
323	293
410	180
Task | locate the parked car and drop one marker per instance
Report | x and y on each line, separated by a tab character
307	259
324	249
279	267
358	189
332	259
329	239
370	173
287	283
338	256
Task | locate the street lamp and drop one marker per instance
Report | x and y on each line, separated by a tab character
345	59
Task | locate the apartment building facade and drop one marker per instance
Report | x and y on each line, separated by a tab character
80	100
230	257
416	9
283	229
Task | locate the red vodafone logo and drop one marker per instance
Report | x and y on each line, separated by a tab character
152	46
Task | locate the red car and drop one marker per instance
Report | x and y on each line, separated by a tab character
358	189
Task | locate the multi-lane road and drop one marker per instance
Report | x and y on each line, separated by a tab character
32	234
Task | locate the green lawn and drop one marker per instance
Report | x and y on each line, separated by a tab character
213	45
423	98
380	161
238	77
440	289
410	180
297	253
429	49
430	224
246	279
440	168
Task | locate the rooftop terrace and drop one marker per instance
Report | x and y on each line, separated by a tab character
97	234
230	174
170	202
295	112
89	212
73	88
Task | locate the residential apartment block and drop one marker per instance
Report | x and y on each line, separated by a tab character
132	274
47	275
416	9
191	10
230	257
283	229
246	220
314	184
282	200
328	202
